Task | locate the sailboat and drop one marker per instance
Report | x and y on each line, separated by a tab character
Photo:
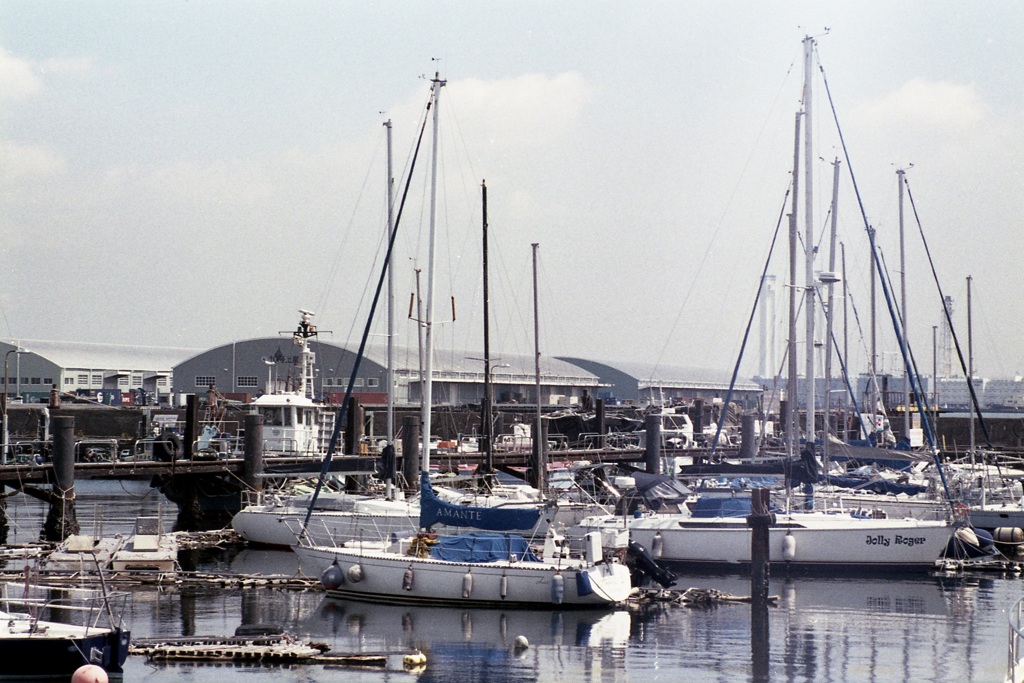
715	531
492	568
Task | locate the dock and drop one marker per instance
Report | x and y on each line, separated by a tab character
276	648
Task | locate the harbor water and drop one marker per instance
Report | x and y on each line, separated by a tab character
939	627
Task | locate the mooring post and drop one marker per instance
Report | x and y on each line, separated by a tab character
5	527
411	452
353	426
602	422
652	448
191	426
760	522
61	520
748	436
252	453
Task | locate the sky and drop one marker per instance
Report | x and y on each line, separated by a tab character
189	173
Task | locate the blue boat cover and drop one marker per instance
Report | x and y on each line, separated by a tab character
435	511
876	485
476	547
722	506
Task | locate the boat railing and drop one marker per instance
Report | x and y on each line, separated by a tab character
69	605
96	450
1015	665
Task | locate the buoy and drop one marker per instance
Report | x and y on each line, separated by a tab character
557	589
789	547
657	545
407	579
503	586
583	586
355	573
90	673
332	577
414	660
467	584
521	643
967	535
1008	534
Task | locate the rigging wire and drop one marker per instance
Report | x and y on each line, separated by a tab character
342	411
885	290
949	319
750	323
718	228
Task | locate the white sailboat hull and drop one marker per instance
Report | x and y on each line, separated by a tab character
393	577
280	526
806	540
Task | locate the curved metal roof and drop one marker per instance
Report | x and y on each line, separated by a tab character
108	356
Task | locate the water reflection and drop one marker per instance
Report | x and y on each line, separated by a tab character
821	629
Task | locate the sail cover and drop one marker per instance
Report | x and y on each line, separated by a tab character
436	511
476	547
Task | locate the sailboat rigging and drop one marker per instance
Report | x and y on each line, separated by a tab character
343	410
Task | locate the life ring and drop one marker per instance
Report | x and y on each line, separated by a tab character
167	448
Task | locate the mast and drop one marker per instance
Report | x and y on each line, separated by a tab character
829	313
428	332
970	360
390	419
810	293
538	440
903	312
792	419
874	334
488	419
846	343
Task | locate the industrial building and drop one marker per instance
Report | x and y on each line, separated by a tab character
111	374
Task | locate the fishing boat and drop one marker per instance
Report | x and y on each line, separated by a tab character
48	631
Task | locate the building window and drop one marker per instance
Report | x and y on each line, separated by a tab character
161	381
97	379
48	380
205	381
69	380
372	382
36	380
137	380
247	382
83	380
122	381
359	382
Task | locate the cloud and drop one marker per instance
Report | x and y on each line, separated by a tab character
20	162
18	81
531	108
941	106
70	66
